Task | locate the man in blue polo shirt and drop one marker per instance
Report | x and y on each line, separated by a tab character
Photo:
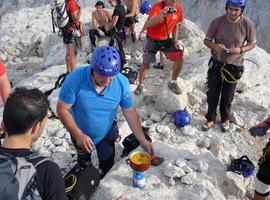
88	104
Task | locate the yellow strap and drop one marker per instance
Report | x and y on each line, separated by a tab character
222	70
74	181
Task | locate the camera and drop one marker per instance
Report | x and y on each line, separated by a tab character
172	10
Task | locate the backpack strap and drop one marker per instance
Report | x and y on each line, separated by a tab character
36	160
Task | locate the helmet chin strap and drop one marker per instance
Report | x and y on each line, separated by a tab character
94	79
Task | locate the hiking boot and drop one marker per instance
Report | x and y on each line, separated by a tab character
133	37
225	126
138	90
158	66
208	125
174	87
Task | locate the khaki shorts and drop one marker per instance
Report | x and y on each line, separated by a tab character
151	47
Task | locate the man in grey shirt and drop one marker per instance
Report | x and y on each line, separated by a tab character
228	37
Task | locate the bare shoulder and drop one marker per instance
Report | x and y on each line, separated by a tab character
94	13
108	13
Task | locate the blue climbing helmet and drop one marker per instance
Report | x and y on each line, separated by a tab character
236	3
145	7
106	61
242	166
181	118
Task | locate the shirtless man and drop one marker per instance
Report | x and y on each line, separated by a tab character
131	16
100	17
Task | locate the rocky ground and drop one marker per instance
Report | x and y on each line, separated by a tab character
195	161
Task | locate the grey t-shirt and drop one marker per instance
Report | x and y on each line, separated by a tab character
232	35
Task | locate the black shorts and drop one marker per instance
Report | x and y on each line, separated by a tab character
68	37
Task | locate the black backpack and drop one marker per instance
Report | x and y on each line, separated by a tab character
130	142
81	182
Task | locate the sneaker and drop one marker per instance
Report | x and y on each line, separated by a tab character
225	126
138	90
174	87
158	66
208	125
133	37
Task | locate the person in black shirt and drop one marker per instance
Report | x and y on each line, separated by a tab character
24	118
116	25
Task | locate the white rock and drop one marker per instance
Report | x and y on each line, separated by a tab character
234	185
171	182
61	133
57	141
180	163
189	179
173	171
59	149
188	130
187	169
173	103
47	142
155	117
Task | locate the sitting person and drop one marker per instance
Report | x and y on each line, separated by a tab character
24	118
100	17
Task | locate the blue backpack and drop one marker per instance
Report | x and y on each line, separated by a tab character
242	166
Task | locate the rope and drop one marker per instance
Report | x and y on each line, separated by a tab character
222	70
73	182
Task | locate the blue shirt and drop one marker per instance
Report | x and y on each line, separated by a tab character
94	113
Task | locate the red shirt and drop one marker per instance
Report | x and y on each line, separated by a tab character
159	31
2	68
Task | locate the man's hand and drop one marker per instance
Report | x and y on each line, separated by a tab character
165	11
147	146
236	50
219	48
101	33
84	141
179	45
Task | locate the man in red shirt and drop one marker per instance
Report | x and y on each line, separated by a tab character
4	83
71	33
162	29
